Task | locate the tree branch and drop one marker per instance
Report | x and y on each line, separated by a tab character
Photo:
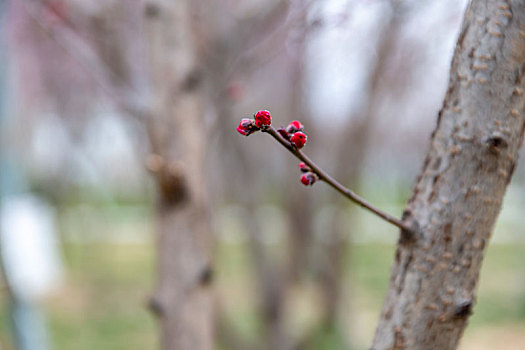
335	184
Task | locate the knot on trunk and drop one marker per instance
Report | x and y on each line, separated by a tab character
496	141
156	306
206	276
170	179
415	229
463	309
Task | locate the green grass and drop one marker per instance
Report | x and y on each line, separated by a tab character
370	267
501	296
101	305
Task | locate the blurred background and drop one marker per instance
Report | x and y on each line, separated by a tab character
295	267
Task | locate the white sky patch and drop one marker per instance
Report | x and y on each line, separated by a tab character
337	55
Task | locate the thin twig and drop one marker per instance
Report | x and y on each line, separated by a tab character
334	183
125	97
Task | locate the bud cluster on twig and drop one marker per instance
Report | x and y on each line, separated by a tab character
293	138
293	133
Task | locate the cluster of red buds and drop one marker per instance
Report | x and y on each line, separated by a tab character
249	126
309	177
293	133
293	139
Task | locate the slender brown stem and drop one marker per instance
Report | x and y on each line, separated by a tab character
334	183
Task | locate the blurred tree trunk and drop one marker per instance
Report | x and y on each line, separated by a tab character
183	298
459	192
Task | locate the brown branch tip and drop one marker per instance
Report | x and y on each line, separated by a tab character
293	139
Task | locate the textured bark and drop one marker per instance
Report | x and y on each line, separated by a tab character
182	300
459	192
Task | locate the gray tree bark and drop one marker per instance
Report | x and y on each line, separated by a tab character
459	192
183	299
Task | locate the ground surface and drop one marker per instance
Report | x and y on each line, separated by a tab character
101	304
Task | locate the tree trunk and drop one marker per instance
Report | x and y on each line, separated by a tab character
182	300
459	192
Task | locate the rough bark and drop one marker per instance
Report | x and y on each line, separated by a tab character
459	192
183	299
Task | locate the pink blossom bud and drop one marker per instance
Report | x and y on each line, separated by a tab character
294	126
298	139
262	118
308	179
247	126
303	167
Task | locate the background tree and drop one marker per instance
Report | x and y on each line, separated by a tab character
183	300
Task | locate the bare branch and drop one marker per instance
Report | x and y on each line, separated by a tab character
335	184
126	99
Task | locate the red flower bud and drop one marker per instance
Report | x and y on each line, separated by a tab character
303	167
308	179
262	118
298	139
294	126
247	126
